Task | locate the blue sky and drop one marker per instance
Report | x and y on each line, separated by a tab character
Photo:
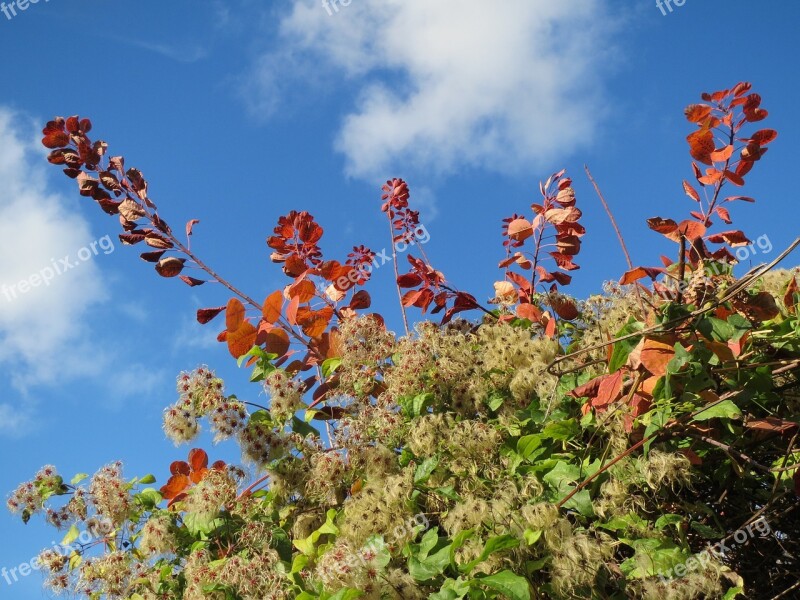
240	111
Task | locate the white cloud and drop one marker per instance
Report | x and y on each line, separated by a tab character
39	327
14	421
448	84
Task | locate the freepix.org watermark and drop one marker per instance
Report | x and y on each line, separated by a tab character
761	245
332	6
10	9
718	551
97	531
46	275
419	236
666	5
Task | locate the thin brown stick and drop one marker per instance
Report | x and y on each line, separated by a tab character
616	230
397	272
681	269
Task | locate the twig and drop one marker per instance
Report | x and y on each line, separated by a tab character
616	230
728	450
397	272
785	592
681	269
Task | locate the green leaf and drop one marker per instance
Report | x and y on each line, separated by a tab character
147	479
623	349
377	544
653	557
78	478
528	444
707	532
308	546
303	428
71	536
667	520
494	544
416	406
495	401
330	365
431	566
428	542
715	329
346	594
424	470
507	583
561	430
532	536
197	523
149	498
721	410
452	589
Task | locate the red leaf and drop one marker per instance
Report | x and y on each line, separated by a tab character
772	425
180	467
530	312
304	290
734	178
639	273
176	484
691	229
170	267
291	311
609	390
550	328
564	307
520	230
277	342
242	340
198	459
789	296
764	136
732	238
361	300
234	315
523	283
564	261
409	280
656	355
722	155
701	145
662	226
206	315
190	225
697	112
54	134
690	191
723	214
131	239
711	177
589	389
152	257
191	281
273	306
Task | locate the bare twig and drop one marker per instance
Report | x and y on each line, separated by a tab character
616	230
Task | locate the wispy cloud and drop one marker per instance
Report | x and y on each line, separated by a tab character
449	84
183	53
